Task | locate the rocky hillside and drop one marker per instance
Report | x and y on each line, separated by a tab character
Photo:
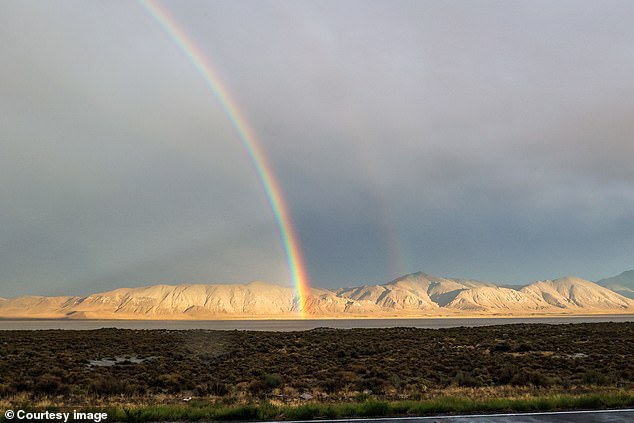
418	294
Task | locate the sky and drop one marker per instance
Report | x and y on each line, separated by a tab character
491	140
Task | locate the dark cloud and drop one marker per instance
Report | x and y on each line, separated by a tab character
478	139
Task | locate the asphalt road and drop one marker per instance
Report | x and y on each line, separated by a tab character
601	416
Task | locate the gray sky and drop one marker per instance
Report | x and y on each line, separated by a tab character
482	139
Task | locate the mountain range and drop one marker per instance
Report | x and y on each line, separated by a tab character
413	295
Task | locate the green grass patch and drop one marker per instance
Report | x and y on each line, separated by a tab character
368	408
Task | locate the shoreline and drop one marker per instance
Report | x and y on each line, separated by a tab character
297	325
352	317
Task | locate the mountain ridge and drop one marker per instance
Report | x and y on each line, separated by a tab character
622	283
414	295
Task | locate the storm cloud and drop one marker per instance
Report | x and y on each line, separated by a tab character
480	139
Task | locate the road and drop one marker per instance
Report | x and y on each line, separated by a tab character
600	416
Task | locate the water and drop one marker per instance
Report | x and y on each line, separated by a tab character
109	362
297	325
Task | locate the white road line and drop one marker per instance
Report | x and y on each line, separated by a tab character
463	416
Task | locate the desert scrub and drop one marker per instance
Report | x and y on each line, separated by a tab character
329	364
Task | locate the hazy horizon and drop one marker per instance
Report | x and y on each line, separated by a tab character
488	140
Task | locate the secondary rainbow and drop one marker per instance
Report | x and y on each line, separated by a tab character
265	173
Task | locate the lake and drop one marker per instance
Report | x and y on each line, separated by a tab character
298	325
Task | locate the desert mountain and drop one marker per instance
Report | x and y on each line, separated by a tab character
181	301
574	293
418	294
622	284
410	295
253	298
37	306
493	298
412	292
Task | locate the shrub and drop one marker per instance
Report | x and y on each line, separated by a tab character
594	377
110	386
537	378
170	381
47	384
332	385
466	379
272	381
374	384
395	381
503	347
524	348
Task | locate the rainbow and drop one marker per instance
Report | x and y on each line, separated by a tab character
265	173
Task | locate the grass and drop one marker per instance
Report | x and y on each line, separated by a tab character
376	408
368	408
